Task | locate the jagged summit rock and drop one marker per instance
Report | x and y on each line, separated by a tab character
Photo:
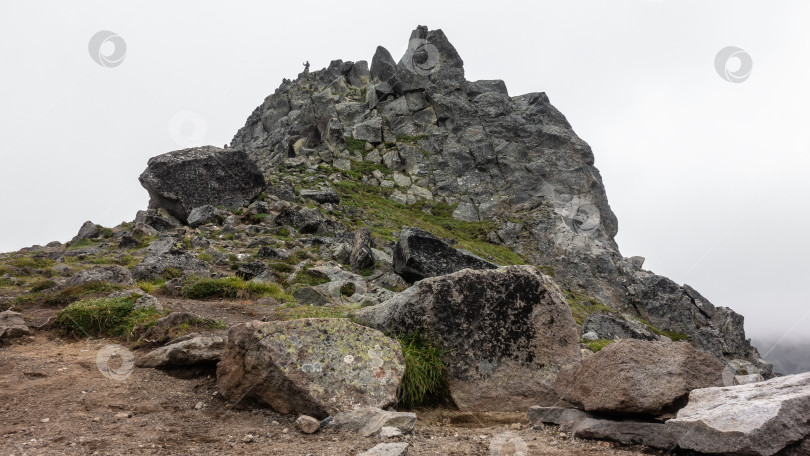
512	161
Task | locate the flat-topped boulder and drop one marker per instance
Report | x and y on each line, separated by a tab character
182	180
755	419
638	377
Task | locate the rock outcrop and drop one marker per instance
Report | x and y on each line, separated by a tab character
636	377
185	179
512	161
505	333
189	350
757	419
12	325
419	254
315	367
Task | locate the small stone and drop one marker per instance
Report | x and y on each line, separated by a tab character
248	438
198	406
123	415
45	420
308	424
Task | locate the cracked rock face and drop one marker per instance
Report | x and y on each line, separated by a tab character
513	160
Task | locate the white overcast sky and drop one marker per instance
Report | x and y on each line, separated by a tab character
708	178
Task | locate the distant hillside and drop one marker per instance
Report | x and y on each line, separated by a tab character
787	357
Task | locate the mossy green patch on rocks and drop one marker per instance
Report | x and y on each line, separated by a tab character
674	335
232	288
598	344
371	207
583	305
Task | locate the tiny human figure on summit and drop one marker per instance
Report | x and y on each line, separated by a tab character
306	66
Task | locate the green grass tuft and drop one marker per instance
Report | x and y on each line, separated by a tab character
115	317
42	285
425	380
232	288
348	289
353	145
598	344
675	336
305	277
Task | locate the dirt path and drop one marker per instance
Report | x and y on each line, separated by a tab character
55	400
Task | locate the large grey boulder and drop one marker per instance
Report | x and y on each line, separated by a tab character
418	254
181	180
12	325
756	419
637	377
189	350
315	367
108	273
505	333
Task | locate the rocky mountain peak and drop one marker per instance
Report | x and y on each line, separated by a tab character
512	161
